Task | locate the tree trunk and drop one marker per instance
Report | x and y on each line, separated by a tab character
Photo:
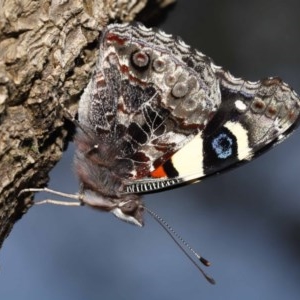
47	53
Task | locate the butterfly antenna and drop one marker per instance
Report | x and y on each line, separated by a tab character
180	241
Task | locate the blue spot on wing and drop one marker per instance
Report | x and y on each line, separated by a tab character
222	145
219	150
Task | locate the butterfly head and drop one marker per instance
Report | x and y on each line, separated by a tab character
130	209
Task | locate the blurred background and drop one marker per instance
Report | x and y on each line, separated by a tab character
246	222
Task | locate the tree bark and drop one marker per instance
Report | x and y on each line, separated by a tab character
47	53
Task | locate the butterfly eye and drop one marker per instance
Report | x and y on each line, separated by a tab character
140	60
128	207
130	210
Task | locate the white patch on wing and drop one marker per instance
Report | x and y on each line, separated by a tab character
243	149
240	105
189	159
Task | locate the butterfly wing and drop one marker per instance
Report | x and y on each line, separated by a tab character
252	118
165	114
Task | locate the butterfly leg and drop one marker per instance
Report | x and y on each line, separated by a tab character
79	201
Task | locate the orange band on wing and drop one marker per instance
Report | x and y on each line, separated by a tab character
159	173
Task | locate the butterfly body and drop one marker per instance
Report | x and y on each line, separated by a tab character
157	114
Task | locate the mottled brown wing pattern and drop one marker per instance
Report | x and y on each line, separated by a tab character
148	103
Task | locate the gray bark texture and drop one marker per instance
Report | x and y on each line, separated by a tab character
47	53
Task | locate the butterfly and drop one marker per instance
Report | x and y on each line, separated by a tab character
157	114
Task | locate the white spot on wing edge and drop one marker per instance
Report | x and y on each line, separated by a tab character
183	44
164	34
243	149
143	27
